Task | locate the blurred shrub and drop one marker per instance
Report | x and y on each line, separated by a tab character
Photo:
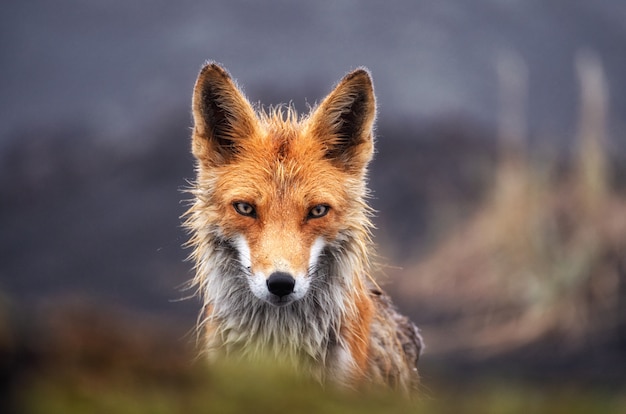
544	257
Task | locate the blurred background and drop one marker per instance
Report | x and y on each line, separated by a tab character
500	186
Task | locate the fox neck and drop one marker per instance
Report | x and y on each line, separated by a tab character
309	333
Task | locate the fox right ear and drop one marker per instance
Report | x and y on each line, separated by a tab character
222	116
344	122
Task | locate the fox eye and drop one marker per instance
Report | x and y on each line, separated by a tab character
318	211
245	209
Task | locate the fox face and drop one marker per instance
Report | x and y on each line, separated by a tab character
279	220
281	191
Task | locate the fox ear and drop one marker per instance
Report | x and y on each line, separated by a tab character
344	122
222	116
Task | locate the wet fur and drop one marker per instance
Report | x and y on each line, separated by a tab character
344	330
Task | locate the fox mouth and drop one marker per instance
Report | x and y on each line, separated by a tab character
279	301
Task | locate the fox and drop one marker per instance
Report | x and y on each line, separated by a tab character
281	236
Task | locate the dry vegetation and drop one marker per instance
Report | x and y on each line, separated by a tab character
545	256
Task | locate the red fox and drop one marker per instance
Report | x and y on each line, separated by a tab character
281	240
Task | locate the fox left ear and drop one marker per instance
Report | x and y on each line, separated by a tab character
344	122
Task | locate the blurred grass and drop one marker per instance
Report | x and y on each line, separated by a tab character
91	359
237	390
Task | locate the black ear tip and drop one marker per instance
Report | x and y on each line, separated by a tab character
363	71
212	68
361	74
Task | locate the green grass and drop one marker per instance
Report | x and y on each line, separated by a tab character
235	389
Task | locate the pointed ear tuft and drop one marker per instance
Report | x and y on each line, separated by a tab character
222	115
344	121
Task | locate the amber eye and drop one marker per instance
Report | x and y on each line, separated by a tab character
318	211
245	209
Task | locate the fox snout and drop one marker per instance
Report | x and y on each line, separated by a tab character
281	278
279	288
280	240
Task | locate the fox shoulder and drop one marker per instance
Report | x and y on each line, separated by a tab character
396	344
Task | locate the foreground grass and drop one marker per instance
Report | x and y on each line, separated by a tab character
93	359
232	389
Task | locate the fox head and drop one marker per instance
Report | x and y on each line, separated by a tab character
284	194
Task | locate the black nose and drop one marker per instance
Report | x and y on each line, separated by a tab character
280	283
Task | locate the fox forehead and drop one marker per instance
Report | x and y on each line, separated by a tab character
277	168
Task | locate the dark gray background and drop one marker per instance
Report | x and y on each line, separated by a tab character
94	117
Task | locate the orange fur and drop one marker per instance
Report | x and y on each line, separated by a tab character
358	332
281	234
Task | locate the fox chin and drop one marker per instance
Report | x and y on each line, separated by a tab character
281	236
